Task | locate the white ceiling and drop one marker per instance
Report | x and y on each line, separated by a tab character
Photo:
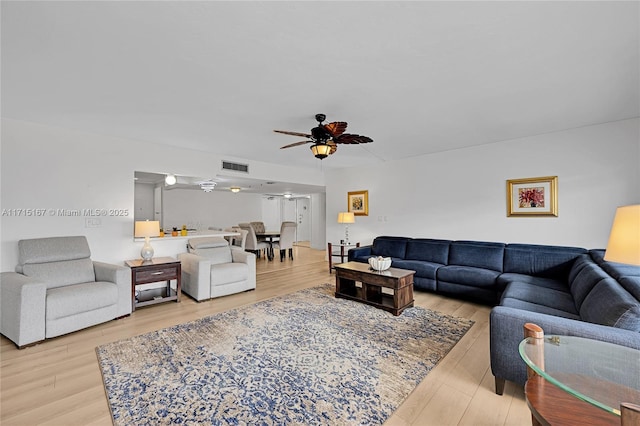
417	77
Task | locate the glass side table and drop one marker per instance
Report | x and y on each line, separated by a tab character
603	375
342	253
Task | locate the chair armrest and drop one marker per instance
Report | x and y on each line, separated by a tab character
506	333
241	256
22	308
196	276
121	277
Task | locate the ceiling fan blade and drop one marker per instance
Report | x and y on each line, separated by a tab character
286	132
295	144
333	146
349	138
336	128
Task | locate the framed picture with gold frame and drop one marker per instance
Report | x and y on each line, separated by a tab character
532	196
358	203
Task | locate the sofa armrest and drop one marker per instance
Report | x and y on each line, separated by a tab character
358	252
121	277
196	276
241	256
22	308
506	333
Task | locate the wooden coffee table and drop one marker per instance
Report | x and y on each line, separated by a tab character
391	290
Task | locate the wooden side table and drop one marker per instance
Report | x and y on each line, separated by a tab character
151	271
341	254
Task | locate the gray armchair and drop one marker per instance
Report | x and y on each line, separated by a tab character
212	269
58	289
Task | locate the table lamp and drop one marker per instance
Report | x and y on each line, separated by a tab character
146	229
624	239
346	218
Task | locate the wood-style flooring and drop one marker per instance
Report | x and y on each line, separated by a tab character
58	382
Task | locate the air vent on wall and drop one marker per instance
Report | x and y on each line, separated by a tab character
227	165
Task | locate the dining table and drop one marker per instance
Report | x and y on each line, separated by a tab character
270	237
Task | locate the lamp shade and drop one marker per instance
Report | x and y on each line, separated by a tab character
624	239
146	228
346	217
321	150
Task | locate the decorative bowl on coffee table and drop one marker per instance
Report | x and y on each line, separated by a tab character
380	263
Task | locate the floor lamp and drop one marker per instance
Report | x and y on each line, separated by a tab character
346	218
624	239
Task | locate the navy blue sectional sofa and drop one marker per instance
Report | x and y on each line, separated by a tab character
565	290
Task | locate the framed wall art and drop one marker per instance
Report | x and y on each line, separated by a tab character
532	196
358	203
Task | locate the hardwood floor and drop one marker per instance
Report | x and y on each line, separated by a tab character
58	382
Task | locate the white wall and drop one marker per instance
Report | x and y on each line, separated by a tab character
49	168
143	201
461	194
200	210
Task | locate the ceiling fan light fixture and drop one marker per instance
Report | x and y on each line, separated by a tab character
321	150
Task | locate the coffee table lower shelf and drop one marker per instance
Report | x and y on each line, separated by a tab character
382	300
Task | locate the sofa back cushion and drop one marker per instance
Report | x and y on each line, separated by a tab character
616	270
541	261
429	250
57	261
215	249
610	304
390	247
583	277
479	254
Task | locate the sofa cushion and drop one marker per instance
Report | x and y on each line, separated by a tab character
423	269
549	297
78	298
509	277
62	273
539	260
207	242
479	254
228	273
632	285
616	270
395	247
532	307
215	249
610	304
467	275
587	277
429	250
54	249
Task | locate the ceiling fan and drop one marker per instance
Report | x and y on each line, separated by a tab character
325	137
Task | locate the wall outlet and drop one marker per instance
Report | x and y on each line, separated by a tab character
92	222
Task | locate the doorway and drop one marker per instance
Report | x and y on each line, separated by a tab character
298	210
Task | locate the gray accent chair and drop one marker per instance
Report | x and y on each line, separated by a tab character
212	268
58	289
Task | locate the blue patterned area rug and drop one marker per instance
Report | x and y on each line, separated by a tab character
305	358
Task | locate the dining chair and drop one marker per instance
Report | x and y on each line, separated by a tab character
251	243
287	238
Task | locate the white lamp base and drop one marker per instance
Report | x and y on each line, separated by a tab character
147	250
